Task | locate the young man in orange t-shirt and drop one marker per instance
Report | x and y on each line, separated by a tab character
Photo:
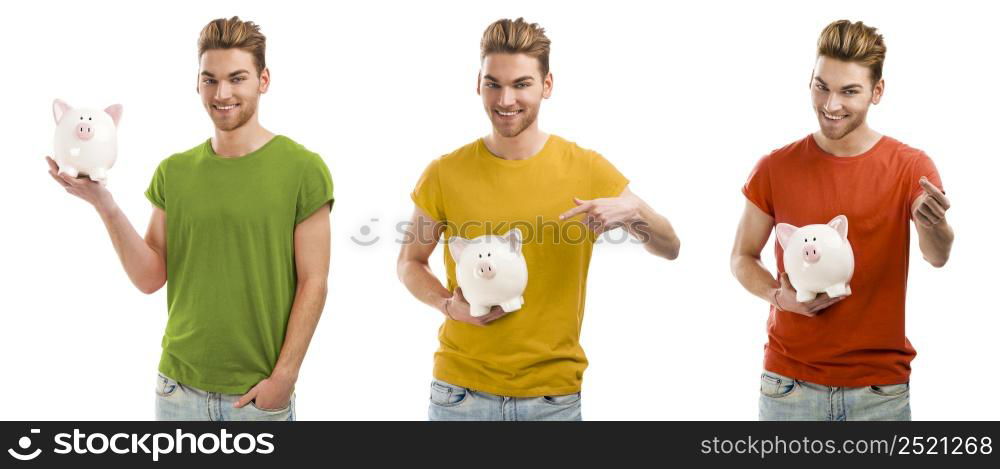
842	358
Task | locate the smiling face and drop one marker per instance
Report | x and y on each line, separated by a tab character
841	94
230	87
512	88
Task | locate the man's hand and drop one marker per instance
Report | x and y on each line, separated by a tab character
930	207
272	393
93	192
457	308
605	214
784	299
934	233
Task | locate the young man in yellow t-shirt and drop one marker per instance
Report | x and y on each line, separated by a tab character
526	364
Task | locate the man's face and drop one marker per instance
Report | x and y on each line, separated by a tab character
512	89
230	87
841	94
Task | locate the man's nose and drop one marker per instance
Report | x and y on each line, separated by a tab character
223	91
507	97
832	103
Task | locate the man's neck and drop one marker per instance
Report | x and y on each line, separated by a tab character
855	143
520	147
240	141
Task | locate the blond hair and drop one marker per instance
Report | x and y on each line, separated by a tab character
507	36
853	42
233	33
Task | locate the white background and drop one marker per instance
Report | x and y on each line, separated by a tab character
683	100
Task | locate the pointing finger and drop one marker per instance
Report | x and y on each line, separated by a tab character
576	210
932	190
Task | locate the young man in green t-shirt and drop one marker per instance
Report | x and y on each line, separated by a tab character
246	250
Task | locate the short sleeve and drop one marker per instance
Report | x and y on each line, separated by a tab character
427	193
156	192
757	189
923	166
315	188
606	180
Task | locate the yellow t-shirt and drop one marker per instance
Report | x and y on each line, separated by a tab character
536	350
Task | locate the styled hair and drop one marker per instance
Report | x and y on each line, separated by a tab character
233	33
853	42
507	36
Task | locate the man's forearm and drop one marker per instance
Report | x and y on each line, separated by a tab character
422	284
754	277
655	232
935	242
145	267
310	297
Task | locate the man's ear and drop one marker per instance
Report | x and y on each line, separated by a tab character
265	80
878	90
547	86
479	82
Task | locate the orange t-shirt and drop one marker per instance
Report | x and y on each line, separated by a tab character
861	340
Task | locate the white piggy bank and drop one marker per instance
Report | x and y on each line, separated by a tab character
86	140
818	258
490	271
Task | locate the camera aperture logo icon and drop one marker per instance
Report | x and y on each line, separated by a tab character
24	443
365	232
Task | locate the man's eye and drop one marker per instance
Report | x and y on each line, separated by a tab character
238	79
208	81
850	92
522	85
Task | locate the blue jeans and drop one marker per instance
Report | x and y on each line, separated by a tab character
176	401
784	398
451	402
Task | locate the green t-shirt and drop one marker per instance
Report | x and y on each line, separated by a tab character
230	257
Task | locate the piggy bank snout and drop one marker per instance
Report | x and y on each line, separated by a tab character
84	131
811	253
485	269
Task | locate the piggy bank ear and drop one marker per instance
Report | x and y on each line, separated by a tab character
456	245
785	232
839	223
513	239
115	111
59	108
